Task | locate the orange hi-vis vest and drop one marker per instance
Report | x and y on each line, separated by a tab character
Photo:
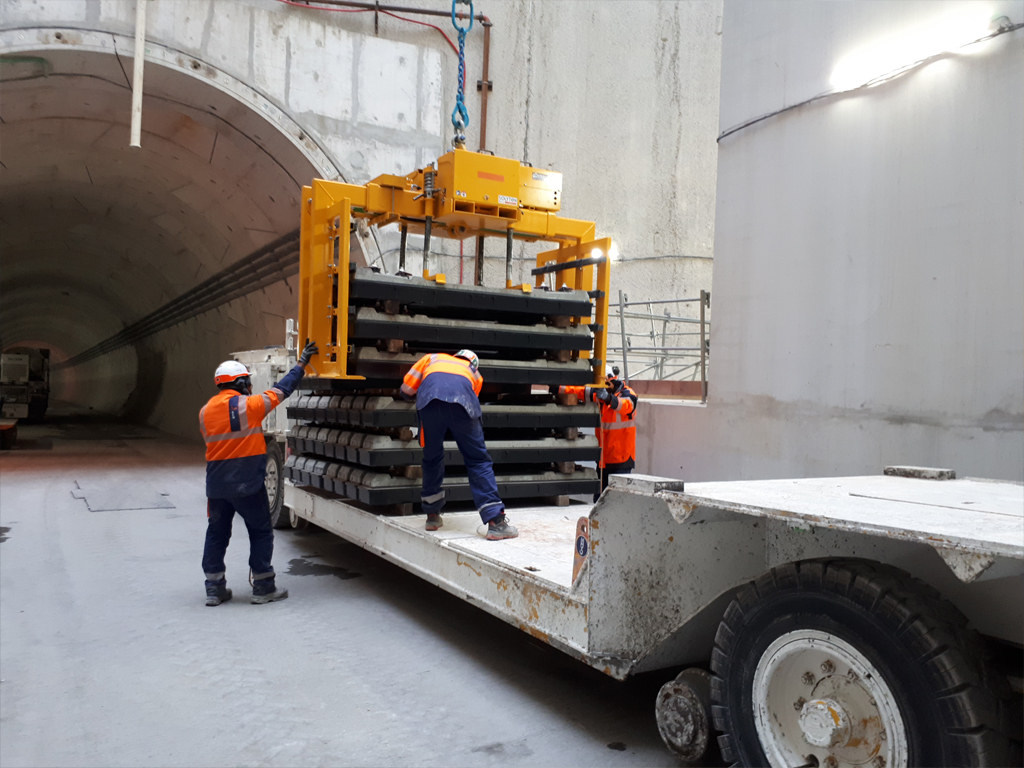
617	434
440	363
231	424
446	378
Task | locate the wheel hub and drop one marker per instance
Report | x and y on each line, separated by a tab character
270	481
681	710
824	723
818	699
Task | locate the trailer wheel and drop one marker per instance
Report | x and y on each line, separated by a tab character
275	484
845	662
296	522
682	711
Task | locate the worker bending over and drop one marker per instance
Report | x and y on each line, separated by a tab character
236	468
617	435
447	393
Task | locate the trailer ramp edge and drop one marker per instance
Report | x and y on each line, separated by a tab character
495	579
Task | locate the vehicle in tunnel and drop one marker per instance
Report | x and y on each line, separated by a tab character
25	383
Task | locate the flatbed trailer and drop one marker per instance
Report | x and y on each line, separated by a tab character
846	621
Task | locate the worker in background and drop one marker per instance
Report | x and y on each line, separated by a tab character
236	466
447	393
617	434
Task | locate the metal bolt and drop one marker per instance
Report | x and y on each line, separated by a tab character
808	678
883	736
878	762
830	762
799	703
828	667
852	675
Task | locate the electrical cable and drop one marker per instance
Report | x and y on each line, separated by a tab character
320	8
311	7
891	75
425	24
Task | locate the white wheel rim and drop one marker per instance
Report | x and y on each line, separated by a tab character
271	482
816	696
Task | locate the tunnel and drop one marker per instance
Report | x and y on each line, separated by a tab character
97	234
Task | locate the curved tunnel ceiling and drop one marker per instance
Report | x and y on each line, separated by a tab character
97	235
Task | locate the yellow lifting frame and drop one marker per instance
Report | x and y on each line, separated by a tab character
327	211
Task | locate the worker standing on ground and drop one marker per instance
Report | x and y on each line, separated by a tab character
236	467
617	434
447	393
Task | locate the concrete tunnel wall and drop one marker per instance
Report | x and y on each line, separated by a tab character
245	101
869	280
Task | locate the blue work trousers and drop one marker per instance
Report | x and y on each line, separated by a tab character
255	512
437	419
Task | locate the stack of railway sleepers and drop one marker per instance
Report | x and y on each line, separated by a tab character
357	439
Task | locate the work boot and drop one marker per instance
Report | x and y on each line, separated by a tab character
265	591
500	528
434	521
217	592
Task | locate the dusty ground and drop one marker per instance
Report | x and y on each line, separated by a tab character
108	656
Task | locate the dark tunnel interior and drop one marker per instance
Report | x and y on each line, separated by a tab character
97	235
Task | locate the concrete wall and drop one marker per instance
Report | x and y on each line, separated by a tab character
868	275
245	100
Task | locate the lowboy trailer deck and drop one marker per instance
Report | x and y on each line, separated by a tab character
816	602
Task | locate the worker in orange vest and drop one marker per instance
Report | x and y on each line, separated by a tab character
236	467
617	434
447	393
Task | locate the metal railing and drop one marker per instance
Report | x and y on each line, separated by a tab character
675	346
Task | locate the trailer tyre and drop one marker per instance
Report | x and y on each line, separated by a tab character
840	662
296	522
275	484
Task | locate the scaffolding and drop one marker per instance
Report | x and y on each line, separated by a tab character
675	347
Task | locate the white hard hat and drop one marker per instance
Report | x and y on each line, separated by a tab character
228	371
608	372
470	357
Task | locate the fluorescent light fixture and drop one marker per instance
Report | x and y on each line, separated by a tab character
899	52
613	252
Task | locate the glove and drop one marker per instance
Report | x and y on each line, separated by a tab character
604	396
307	353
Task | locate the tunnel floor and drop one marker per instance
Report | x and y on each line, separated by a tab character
109	656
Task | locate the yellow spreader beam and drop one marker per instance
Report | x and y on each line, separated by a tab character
468	195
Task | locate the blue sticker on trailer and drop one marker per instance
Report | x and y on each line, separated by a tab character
582	545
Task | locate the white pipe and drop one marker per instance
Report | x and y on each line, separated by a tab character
140	60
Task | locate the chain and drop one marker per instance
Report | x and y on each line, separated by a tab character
460	115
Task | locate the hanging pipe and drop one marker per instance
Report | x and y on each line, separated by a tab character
140	60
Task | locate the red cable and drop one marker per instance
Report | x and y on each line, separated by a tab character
319	8
426	24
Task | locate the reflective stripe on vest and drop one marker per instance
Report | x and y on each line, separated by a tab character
440	363
224	422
